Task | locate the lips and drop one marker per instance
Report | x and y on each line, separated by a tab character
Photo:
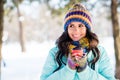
76	36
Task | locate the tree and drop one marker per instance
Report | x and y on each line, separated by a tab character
116	32
61	7
1	26
22	38
21	27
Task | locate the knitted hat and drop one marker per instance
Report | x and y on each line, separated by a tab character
80	14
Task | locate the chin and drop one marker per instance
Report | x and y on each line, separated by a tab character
76	39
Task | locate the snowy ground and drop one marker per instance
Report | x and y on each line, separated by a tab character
28	65
24	66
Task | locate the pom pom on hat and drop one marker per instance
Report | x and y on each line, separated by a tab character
78	13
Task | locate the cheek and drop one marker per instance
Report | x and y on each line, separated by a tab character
69	33
84	33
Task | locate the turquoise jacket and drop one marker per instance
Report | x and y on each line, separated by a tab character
103	69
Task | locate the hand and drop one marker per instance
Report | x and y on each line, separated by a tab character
77	60
71	62
81	63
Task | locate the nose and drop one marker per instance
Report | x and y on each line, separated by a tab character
76	29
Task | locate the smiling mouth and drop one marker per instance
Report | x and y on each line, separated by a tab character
75	36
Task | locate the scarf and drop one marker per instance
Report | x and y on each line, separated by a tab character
83	43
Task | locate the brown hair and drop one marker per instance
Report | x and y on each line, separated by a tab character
64	41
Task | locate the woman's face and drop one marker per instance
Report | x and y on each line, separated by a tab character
76	31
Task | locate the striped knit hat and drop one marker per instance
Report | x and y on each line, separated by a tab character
80	14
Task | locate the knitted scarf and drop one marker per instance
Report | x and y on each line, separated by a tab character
84	43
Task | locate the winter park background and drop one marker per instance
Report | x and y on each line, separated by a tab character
41	31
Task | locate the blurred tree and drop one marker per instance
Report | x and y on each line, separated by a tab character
1	27
22	35
21	28
116	30
63	6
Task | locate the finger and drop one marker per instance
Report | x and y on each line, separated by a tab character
71	63
78	57
77	54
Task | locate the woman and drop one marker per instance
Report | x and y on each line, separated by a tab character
77	55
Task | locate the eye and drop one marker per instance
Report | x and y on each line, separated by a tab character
80	25
71	25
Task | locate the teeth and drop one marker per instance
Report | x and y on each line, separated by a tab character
75	35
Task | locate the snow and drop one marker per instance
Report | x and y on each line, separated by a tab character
24	66
28	65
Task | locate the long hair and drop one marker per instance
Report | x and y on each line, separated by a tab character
63	43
